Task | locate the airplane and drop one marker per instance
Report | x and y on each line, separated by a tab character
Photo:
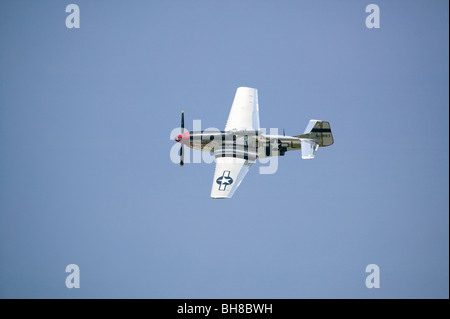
242	142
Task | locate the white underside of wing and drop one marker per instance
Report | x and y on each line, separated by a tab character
228	175
230	171
244	113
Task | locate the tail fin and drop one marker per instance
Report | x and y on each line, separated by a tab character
317	134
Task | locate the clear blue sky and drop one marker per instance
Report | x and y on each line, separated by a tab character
86	177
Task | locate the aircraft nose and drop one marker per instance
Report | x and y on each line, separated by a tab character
183	138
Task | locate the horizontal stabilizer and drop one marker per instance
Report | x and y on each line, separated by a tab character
309	148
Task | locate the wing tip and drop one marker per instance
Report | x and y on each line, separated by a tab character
245	88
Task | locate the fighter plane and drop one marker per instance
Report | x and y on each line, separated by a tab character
242	142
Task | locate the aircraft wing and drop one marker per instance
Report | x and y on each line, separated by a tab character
228	175
244	113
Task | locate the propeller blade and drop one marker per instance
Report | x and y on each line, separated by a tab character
284	134
182	121
181	146
181	155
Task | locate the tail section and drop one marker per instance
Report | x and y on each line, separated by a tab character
317	134
320	131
